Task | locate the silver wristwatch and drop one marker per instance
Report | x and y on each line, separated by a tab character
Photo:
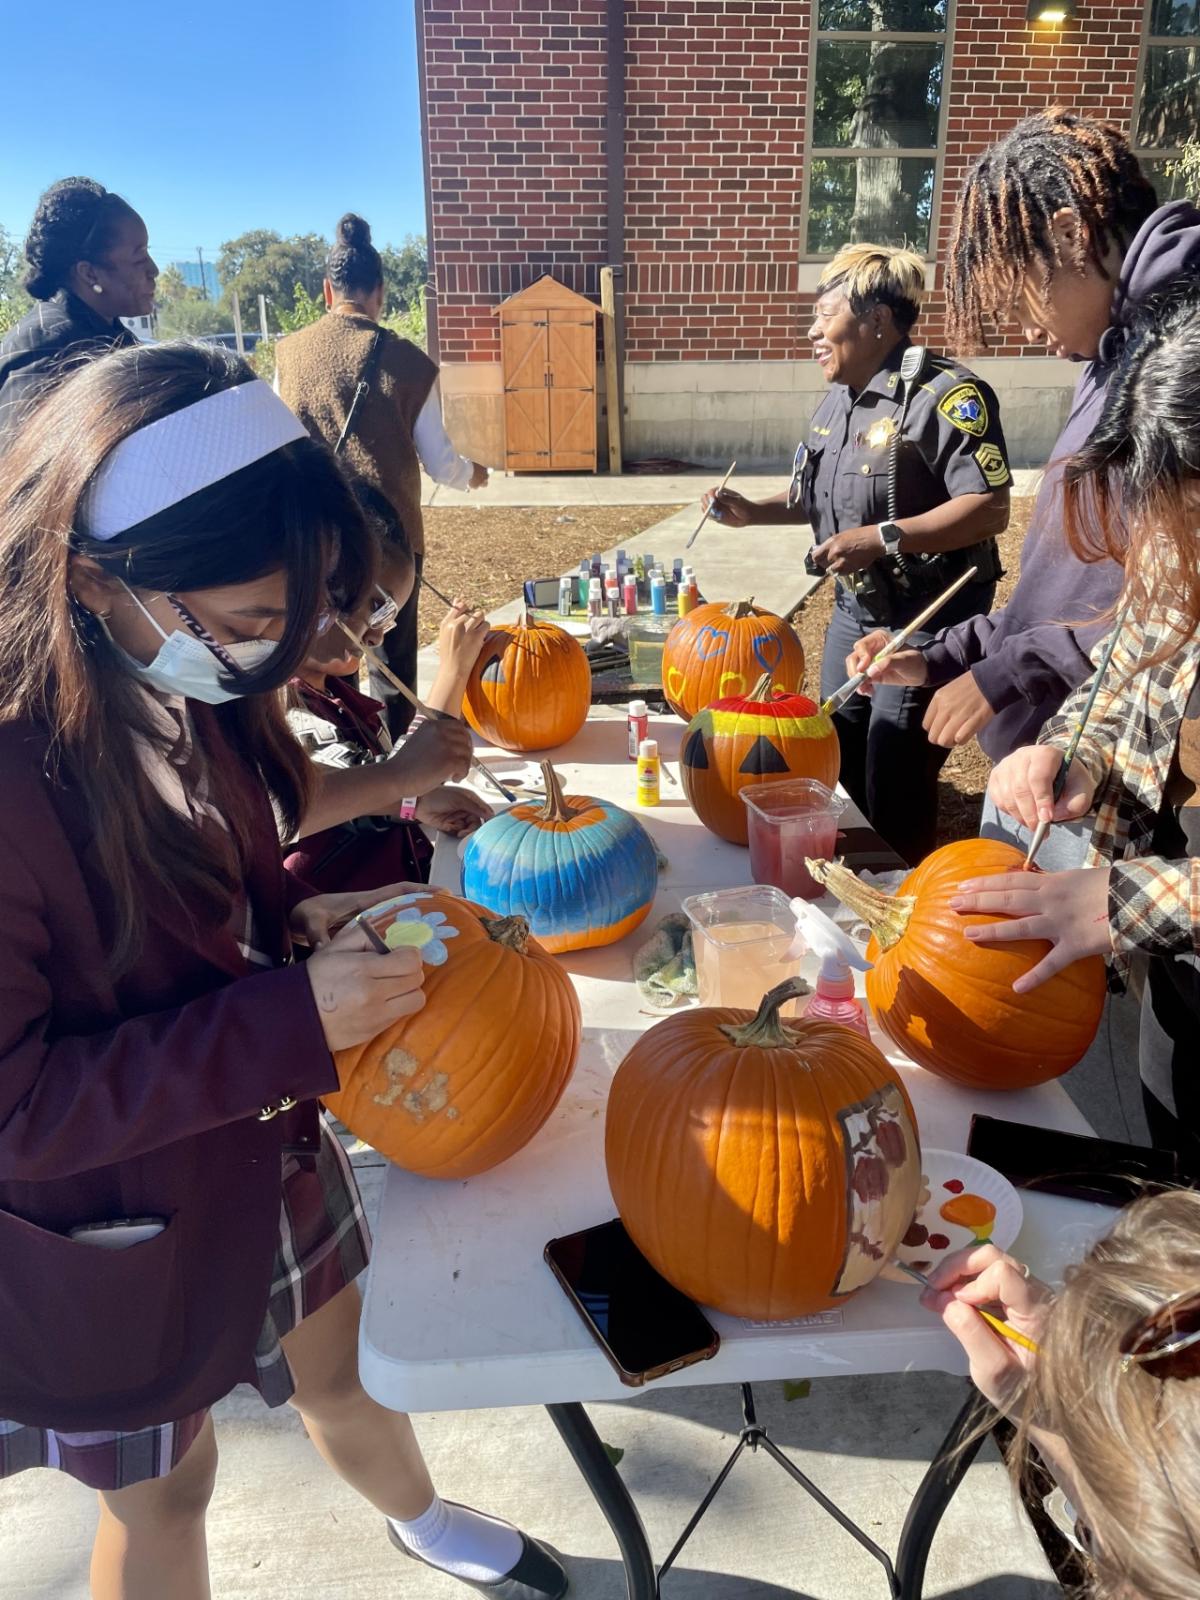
891	533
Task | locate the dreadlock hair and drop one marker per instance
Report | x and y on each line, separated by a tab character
878	275
1051	162
354	265
1130	495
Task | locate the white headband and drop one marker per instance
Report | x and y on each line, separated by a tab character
192	449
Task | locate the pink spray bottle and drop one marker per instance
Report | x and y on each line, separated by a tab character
834	999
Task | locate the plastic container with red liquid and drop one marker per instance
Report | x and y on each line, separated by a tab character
789	819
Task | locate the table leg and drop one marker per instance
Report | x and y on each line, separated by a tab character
946	1471
603	1479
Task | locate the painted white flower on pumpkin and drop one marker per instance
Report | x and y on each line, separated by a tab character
424	931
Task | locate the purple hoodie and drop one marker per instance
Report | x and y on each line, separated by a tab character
1029	655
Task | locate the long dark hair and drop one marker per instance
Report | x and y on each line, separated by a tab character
77	219
1003	226
291	511
1130	495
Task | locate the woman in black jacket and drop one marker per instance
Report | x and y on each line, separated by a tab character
89	266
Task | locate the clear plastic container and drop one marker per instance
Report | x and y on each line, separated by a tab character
743	941
789	819
647	637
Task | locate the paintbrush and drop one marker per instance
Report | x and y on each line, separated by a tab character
1004	1329
839	697
711	504
426	711
1060	782
437	593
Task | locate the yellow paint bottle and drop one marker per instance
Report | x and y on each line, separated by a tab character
648	772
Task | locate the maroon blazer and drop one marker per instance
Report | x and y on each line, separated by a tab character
133	1098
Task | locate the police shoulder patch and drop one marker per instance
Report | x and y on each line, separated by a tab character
993	465
964	408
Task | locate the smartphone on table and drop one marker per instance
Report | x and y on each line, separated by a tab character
644	1326
1072	1164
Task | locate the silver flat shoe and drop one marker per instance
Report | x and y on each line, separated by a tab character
538	1575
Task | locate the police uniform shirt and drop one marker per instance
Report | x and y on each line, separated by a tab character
952	445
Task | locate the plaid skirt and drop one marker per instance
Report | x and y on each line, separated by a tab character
324	1244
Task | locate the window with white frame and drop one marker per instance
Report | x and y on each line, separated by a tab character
1167	113
875	123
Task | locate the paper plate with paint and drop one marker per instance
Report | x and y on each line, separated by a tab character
963	1202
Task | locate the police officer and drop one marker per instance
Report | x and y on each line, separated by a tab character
904	478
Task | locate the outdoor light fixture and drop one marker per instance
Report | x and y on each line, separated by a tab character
1051	12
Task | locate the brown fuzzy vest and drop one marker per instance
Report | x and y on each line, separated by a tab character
319	369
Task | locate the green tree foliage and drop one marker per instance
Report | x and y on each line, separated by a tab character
306	308
405	268
14	302
183	312
263	262
409	322
1183	175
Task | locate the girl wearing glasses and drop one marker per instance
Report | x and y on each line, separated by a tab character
1111	1398
1138	764
174	1220
345	731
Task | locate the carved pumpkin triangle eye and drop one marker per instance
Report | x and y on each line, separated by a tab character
694	753
763	757
493	672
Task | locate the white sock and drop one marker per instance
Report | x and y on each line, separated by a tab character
462	1542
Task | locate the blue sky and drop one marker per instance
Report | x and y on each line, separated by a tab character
214	119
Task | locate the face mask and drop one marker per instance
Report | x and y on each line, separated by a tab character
187	666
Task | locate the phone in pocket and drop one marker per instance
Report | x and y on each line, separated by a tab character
1071	1164
644	1326
121	1234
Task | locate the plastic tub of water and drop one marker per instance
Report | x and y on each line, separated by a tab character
788	820
743	941
646	636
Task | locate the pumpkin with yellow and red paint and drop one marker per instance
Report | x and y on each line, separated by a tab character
748	739
582	872
721	650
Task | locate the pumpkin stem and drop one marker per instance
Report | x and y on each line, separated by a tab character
740	608
887	915
511	932
555	809
766	1030
764	689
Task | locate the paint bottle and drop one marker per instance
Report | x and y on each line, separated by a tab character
834	999
595	602
597	566
690	584
639	570
566	593
649	559
647	773
585	578
612	596
683	599
622	566
677	570
638	724
658	595
630	595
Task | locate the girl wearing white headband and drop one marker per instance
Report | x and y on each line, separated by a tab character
174	1219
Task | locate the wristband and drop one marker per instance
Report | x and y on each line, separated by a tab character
408	808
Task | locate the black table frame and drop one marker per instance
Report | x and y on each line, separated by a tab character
905	1578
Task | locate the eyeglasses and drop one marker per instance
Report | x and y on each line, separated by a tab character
1166	1342
385	611
798	466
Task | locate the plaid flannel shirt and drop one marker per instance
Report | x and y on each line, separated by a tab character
1128	747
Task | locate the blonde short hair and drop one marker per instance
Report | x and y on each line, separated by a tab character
878	275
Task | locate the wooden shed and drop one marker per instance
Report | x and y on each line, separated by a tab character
548	356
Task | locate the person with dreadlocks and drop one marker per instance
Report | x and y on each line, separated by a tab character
1059	228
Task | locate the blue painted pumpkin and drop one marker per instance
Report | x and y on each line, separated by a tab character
581	871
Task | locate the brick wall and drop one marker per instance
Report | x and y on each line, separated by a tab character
515	103
714	154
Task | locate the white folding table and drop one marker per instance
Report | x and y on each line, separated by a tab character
461	1311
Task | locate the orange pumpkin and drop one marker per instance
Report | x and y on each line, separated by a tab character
722	650
742	740
457	1088
766	1168
949	1003
530	688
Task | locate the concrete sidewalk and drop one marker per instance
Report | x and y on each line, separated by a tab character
282	1527
599	489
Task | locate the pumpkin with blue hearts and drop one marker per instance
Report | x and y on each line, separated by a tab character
719	650
583	872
